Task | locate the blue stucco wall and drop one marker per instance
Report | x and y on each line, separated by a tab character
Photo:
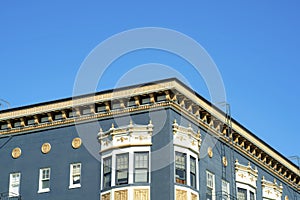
162	178
58	159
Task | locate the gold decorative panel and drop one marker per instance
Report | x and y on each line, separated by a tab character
225	162
181	194
16	152
194	196
141	194
105	196
210	152
46	147
121	195
76	143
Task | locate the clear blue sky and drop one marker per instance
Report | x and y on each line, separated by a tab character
255	45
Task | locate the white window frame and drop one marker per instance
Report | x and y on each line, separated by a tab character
14	184
72	174
182	168
42	179
118	169
131	151
195	174
109	165
141	168
225	189
188	153
210	183
247	188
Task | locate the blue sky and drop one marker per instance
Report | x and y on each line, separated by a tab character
255	45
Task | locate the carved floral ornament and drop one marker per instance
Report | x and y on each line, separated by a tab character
246	174
131	135
186	137
271	190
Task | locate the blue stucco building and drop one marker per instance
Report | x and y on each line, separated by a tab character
155	141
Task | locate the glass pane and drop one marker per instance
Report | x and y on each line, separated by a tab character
45	174
193	165
76	169
122	161
193	180
141	160
141	176
107	181
208	194
242	194
76	179
45	184
107	165
122	177
180	160
252	196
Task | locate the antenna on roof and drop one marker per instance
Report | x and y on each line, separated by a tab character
298	161
4	103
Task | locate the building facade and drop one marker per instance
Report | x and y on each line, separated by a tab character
155	141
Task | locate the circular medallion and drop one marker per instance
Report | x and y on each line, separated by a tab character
225	162
46	147
286	197
16	152
210	152
76	143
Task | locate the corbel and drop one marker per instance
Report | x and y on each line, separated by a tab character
137	100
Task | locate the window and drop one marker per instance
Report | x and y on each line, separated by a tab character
252	195
44	183
225	190
241	194
141	160
193	172
75	175
14	184
210	185
180	168
122	169
106	172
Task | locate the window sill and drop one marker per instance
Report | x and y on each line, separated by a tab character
74	186
44	190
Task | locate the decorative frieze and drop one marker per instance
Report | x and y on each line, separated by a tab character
121	195
271	190
186	137
131	135
245	174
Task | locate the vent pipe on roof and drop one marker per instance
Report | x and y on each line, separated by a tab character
4	104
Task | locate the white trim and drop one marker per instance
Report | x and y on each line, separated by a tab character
77	185
227	189
188	154
41	189
14	184
213	184
130	151
246	187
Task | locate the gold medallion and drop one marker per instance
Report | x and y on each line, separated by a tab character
46	147
76	143
16	152
210	152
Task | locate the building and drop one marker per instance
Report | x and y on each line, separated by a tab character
155	141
